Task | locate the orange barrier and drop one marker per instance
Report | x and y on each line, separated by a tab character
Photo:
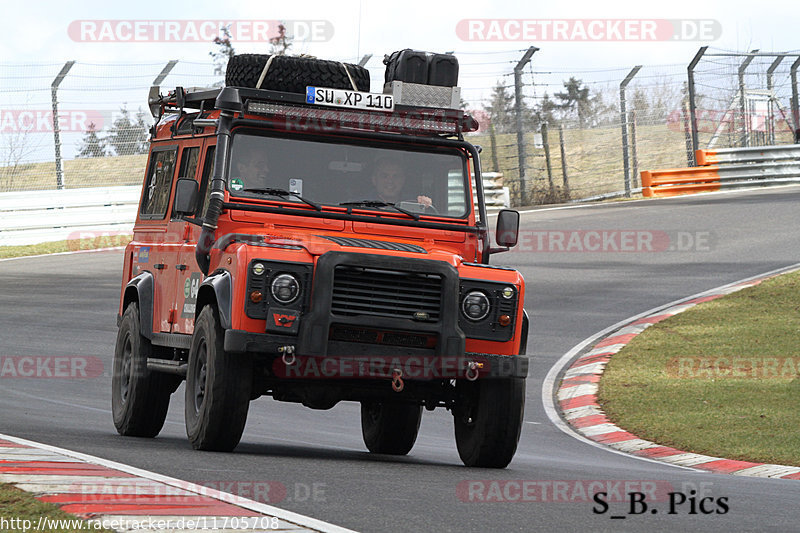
705	157
675	181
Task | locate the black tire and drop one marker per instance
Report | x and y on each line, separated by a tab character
293	74
488	420
390	428
139	397
218	388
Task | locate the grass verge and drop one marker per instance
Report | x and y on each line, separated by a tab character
721	379
70	245
17	507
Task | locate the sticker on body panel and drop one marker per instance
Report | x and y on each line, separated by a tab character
190	288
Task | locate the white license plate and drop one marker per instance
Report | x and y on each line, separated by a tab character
349	99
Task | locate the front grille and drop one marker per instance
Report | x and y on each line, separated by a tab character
386	293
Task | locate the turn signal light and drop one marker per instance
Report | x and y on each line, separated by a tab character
256	297
504	320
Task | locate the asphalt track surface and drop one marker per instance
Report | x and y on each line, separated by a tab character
66	305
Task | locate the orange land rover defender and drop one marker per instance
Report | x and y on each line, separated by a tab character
303	238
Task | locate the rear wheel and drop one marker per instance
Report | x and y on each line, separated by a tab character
218	386
488	420
139	397
293	74
390	428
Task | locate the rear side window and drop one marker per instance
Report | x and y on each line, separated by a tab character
159	184
189	159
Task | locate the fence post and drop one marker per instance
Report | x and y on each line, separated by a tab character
493	141
687	133
518	110
771	117
165	72
745	139
693	104
56	131
623	118
634	153
795	101
564	174
546	145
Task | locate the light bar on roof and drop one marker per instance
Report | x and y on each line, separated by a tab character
327	119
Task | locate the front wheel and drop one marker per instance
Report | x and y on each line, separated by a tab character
139	397
390	428
218	388
488	420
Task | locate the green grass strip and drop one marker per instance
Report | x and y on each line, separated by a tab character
17	507
721	379
71	245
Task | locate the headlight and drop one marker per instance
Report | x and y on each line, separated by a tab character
475	305
285	288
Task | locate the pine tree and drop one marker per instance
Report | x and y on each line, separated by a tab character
92	145
576	99
501	110
129	136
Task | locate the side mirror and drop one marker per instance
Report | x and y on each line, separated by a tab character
186	192
507	228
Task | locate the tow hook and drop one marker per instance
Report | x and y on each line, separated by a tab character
288	357
473	370
397	380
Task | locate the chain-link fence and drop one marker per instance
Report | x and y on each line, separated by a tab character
577	142
101	129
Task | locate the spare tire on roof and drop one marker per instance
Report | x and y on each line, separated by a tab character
293	74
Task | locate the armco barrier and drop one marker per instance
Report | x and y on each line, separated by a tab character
32	217
727	168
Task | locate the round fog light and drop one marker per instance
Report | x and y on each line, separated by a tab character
508	292
258	269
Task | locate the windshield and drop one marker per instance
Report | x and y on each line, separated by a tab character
363	177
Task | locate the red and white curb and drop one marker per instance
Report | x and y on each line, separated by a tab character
125	498
577	395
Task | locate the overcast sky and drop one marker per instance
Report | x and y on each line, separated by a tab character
479	32
37	31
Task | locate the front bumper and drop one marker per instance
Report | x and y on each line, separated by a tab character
348	365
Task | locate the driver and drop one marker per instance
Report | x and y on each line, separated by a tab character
388	178
253	167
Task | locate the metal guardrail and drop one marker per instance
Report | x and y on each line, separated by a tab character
32	217
758	154
734	167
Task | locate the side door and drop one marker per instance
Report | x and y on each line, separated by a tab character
189	275
152	229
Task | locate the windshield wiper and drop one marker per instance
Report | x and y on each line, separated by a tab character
283	193
378	203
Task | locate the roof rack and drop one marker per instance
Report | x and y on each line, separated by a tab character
419	108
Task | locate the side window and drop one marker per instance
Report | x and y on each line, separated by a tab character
205	182
189	159
158	185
